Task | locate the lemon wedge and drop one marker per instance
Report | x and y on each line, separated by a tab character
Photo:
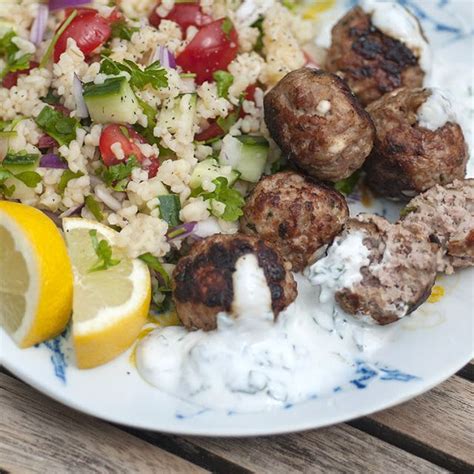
110	306
35	275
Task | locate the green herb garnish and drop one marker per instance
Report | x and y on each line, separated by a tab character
57	125
223	80
153	74
103	250
346	186
116	176
407	210
45	59
10	50
29	178
155	264
232	199
120	29
227	27
66	177
169	209
94	208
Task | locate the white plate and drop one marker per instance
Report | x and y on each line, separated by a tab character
426	348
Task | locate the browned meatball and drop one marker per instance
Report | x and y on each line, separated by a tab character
395	274
295	214
314	118
446	215
371	62
409	158
203	284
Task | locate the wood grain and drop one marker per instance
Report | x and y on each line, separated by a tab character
40	435
340	448
441	420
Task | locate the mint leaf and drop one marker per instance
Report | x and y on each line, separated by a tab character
169	209
103	250
66	177
57	125
232	199
223	80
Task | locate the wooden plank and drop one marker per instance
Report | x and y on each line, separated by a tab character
440	420
339	448
40	435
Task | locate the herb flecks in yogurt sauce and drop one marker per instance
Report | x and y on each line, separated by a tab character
250	362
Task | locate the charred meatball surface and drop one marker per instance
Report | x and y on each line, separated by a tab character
295	215
203	280
315	119
371	62
446	215
396	275
409	158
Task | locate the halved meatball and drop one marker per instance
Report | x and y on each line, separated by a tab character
370	61
204	282
419	143
378	271
446	215
295	214
314	118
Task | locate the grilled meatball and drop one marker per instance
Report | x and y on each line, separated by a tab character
370	61
414	149
314	118
379	271
295	214
446	214
204	283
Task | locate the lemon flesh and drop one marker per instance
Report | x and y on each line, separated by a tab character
35	275
110	306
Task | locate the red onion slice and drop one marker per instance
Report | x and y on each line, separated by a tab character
50	160
58	4
39	24
181	231
72	211
166	58
45	141
81	107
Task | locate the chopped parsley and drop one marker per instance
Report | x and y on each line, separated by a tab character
227	27
66	177
120	29
93	206
259	43
226	195
50	98
10	51
28	178
169	209
407	210
153	75
57	125
223	80
117	176
103	250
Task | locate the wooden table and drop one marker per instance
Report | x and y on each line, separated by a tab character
432	433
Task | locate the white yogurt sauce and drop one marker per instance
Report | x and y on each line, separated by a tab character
250	362
436	111
397	22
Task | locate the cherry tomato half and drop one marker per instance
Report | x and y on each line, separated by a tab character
129	140
213	48
11	78
184	14
89	29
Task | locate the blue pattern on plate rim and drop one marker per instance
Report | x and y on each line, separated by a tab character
57	347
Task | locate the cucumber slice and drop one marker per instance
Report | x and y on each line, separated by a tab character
210	170
246	154
112	102
21	162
